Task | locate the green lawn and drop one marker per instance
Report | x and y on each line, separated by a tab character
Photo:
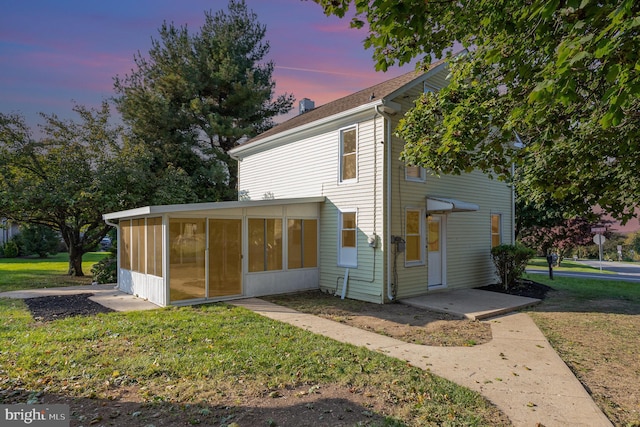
34	272
213	356
581	289
566	265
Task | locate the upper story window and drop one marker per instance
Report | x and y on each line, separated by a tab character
348	154
415	173
496	230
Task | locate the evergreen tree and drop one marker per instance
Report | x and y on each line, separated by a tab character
195	96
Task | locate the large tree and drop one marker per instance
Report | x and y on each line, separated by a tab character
195	96
68	177
559	78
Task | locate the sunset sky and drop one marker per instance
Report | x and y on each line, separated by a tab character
55	53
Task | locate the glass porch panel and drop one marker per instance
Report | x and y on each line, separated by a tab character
187	258
274	244
294	243
225	257
310	244
154	246
256	244
125	245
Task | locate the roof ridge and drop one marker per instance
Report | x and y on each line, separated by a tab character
346	102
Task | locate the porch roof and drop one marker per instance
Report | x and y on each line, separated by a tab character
443	204
195	207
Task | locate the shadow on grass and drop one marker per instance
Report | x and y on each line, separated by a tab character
124	407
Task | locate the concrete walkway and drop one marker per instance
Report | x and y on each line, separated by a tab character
517	370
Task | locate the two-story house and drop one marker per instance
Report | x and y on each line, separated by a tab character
325	203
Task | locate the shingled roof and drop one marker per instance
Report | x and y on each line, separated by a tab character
365	96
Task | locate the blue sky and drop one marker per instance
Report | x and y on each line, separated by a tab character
55	53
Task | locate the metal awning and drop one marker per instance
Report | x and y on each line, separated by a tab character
441	204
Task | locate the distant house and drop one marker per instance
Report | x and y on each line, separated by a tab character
325	204
8	229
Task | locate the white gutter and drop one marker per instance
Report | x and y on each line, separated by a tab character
387	235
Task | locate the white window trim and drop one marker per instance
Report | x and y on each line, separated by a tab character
341	158
499	215
423	238
347	257
421	178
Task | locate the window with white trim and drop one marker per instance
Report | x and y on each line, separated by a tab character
496	230
348	239
414	173
348	154
414	237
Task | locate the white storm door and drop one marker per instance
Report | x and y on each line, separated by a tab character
435	250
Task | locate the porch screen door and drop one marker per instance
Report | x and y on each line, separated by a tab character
225	257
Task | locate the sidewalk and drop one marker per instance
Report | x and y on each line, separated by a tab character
517	370
107	295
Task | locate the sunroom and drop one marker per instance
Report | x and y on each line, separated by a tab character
197	253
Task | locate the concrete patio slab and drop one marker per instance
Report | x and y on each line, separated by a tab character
472	304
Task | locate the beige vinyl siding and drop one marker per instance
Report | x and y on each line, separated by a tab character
468	234
310	167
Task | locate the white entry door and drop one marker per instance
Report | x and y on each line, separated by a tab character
435	250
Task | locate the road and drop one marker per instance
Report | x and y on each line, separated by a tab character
624	271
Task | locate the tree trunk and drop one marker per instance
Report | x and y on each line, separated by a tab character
75	261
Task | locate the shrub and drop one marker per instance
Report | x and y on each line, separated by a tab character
511	262
38	239
105	271
11	249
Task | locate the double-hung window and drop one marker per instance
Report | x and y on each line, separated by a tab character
414	237
348	154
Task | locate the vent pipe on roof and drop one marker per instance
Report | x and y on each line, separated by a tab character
306	105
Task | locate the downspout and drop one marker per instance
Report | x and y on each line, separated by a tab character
513	205
387	236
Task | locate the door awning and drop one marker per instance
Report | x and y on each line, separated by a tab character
441	204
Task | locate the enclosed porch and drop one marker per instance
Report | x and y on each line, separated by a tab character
189	254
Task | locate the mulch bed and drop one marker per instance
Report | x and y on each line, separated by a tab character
525	288
61	306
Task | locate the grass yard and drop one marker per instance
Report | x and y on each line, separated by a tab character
594	326
566	265
207	364
34	272
212	364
